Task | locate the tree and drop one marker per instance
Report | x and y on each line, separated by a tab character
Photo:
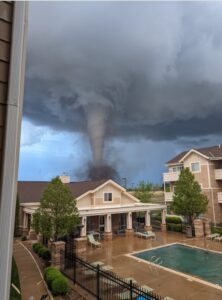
188	199
57	214
143	191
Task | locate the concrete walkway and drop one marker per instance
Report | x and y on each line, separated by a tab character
30	279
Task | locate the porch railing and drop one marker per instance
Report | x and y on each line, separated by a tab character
103	285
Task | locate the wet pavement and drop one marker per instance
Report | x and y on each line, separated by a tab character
164	283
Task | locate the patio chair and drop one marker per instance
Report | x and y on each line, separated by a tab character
212	236
92	241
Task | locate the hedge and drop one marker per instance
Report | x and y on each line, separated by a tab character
59	286
174	220
174	227
216	230
41	251
56	282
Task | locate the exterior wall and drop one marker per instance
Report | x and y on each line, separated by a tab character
86	201
97	199
109	188
126	199
209	185
202	176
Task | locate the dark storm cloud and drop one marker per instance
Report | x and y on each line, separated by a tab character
149	70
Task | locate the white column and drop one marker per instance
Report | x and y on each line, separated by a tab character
108	223
83	229
147	218
164	216
129	220
24	220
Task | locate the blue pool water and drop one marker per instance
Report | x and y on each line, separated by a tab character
204	264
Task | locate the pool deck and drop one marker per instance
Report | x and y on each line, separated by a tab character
164	282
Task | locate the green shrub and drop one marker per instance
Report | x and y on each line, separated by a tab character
42	251
174	227
174	220
36	246
45	253
216	230
59	285
50	275
24	238
46	271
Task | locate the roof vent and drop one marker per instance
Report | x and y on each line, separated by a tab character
64	178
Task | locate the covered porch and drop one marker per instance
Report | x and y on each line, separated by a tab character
106	222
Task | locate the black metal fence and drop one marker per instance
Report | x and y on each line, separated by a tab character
104	285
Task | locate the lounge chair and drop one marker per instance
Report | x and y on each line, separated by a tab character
138	234
150	234
212	236
218	238
92	241
97	263
125	295
128	279
146	288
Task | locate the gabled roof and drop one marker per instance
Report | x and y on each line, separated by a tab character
212	153
31	191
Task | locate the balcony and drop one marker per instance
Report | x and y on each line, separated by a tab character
168	196
219	197
171	176
218	174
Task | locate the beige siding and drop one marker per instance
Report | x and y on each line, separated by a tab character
97	199
85	201
108	188
126	199
202	176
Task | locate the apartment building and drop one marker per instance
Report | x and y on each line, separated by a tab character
13	24
206	165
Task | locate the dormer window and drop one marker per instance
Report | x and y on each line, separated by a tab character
108	196
195	167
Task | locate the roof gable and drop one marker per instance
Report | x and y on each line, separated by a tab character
212	153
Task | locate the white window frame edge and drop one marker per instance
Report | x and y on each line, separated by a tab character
104	197
12	142
195	162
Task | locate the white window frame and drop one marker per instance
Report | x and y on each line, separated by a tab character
107	201
196	162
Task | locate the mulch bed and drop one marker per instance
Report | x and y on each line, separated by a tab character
72	294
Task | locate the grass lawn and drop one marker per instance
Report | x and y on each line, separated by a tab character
15	280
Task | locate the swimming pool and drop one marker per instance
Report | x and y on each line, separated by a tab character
201	263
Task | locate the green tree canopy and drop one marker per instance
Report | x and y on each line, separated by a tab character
143	191
188	199
57	214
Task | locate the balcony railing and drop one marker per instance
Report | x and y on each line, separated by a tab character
218	174
168	196
171	176
219	197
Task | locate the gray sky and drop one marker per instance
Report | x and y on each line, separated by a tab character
142	79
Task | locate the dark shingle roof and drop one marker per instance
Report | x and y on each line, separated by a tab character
212	152
31	191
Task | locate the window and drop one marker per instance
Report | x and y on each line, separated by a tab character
177	169
195	167
108	196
